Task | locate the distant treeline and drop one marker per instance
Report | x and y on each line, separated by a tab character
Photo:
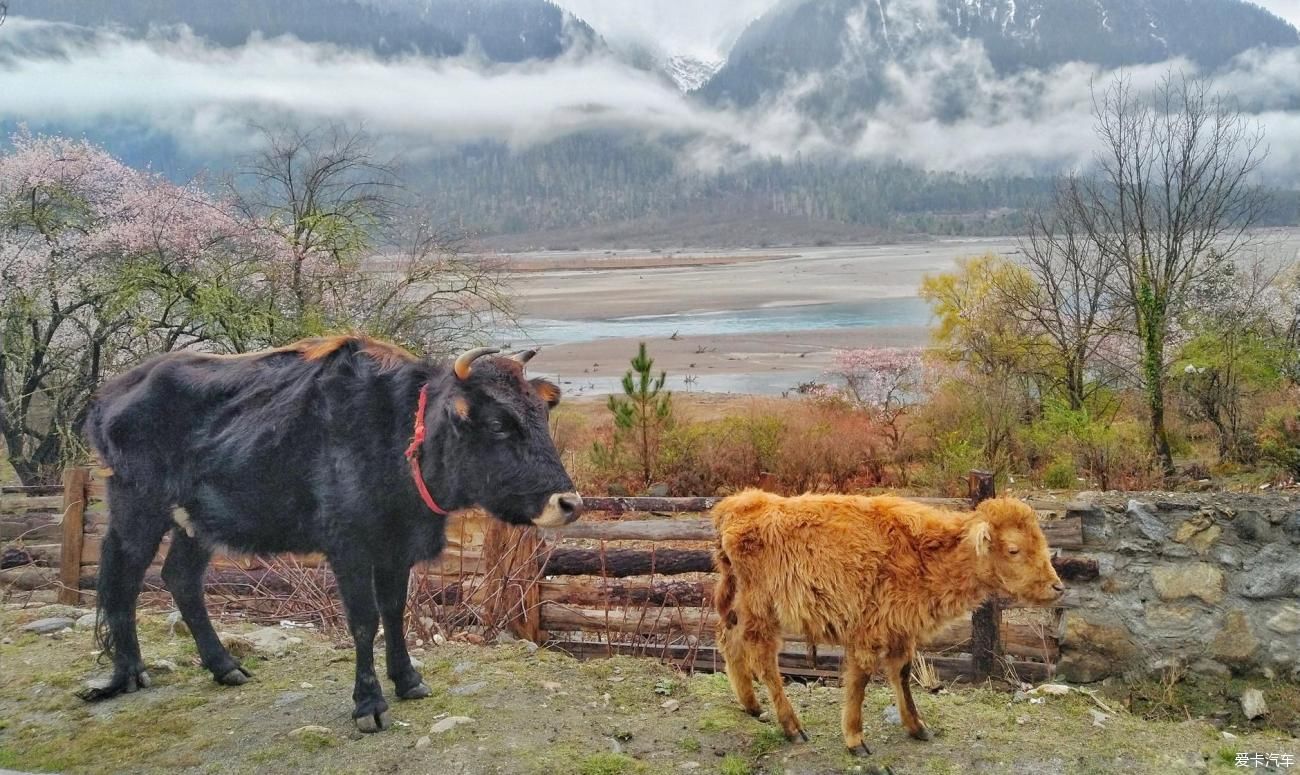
600	179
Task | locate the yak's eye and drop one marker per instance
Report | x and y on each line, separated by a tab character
1013	550
496	426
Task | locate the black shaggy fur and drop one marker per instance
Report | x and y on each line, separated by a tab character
302	450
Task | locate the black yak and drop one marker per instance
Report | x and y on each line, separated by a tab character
346	446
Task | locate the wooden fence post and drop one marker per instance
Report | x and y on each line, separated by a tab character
513	569
75	481
986	621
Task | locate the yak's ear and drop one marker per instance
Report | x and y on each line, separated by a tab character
548	391
980	536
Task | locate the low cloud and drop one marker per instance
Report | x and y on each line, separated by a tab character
205	97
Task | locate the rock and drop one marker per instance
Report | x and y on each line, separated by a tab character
1022	720
468	689
1286	621
1251	526
416	663
449	723
1228	736
1205	666
1196	579
891	715
85	622
461	667
271	642
552	686
311	730
1093	650
63	611
439	639
424	742
176	626
657	490
616	490
1199	532
1093	519
163	666
289	698
1226	555
1056	690
1099	719
688	766
1291	527
49	625
504	638
1234	644
1275	572
238	645
1146	522
1084	668
670	705
1252	704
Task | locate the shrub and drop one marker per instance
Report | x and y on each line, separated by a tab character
951	460
1278	438
1060	475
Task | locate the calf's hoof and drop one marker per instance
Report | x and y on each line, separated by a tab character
923	733
756	712
373	722
796	735
417	692
124	681
236	676
860	749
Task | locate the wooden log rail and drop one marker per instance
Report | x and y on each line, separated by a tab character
536	584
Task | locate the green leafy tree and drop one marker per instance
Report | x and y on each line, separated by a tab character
643	412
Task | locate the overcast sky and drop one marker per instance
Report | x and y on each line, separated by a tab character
704	29
1287	9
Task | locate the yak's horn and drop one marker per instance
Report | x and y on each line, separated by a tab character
463	362
523	356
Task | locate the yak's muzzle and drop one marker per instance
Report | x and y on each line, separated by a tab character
561	509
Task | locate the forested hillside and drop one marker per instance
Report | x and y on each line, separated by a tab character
504	30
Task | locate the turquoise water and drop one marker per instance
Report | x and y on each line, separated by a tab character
806	317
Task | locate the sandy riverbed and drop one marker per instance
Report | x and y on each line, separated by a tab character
607	295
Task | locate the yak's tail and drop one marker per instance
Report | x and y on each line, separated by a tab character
724	593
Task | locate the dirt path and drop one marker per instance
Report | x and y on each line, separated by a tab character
533	711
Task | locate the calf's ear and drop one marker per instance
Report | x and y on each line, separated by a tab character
548	391
980	536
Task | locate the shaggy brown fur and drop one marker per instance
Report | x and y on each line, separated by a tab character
875	575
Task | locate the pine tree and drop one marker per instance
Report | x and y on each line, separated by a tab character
644	412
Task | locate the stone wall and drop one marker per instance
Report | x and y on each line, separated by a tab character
1206	581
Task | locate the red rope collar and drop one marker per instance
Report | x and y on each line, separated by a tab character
413	453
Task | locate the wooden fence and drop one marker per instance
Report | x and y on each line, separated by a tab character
634	576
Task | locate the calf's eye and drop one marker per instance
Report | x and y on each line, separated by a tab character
1013	550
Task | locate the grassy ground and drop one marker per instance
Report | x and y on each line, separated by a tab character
535	713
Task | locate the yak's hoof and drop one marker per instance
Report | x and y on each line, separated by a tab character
417	692
235	677
122	682
860	749
923	733
797	735
373	722
803	734
755	712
